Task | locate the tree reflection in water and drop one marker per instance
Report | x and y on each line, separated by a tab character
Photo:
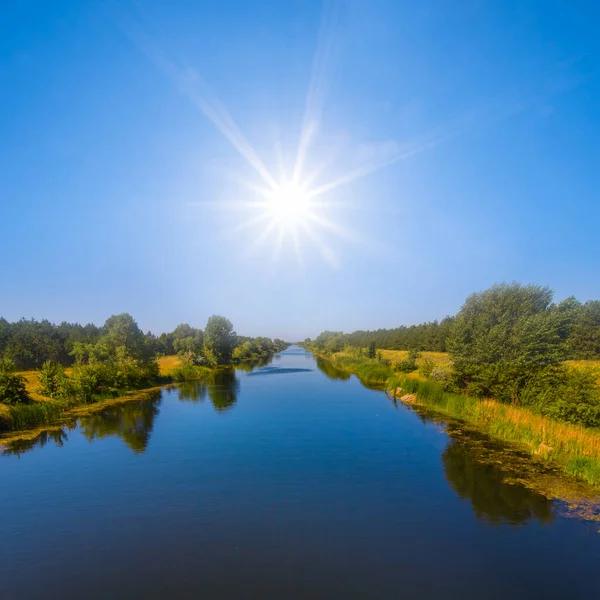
132	421
223	387
326	367
19	446
191	391
480	471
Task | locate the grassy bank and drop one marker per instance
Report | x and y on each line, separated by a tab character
43	411
574	449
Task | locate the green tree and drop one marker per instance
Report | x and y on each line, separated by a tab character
504	336
584	341
219	339
53	381
372	351
12	385
188	343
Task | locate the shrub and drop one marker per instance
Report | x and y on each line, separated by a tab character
189	372
372	351
12	386
53	381
426	368
441	376
405	366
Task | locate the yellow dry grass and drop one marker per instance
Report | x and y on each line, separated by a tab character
167	364
441	359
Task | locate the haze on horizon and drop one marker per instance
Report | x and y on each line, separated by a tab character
294	166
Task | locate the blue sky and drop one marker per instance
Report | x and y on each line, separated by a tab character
118	192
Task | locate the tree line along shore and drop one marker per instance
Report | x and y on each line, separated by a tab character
512	362
47	370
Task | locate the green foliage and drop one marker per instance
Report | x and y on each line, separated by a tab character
441	376
584	340
504	336
426	368
12	385
569	395
188	343
36	414
372	350
85	382
53	381
426	336
405	366
189	372
409	364
219	339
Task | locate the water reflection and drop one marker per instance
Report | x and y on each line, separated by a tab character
223	388
479	477
191	391
326	367
251	365
19	446
132	421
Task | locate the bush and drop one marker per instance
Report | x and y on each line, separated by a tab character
12	386
405	366
426	368
53	381
189	372
441	376
564	394
372	351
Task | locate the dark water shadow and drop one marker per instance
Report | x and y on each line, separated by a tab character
475	474
332	372
279	371
132	421
192	391
250	365
19	446
505	484
223	387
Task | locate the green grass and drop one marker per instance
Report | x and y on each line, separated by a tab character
28	416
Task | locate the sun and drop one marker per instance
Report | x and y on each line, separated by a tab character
289	204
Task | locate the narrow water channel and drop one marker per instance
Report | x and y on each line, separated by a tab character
286	481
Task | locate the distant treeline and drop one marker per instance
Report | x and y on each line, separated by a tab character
580	335
29	343
429	337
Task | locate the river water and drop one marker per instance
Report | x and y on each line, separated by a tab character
287	481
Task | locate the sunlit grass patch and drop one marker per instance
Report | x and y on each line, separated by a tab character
167	364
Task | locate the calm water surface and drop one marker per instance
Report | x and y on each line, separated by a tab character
289	481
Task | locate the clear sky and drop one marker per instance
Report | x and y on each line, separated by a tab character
464	136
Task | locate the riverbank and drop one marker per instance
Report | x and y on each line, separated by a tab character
44	412
574	449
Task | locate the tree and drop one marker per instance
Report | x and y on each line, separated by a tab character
53	381
12	385
122	330
219	339
504	336
372	351
190	347
584	340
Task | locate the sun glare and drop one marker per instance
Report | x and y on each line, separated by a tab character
289	204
